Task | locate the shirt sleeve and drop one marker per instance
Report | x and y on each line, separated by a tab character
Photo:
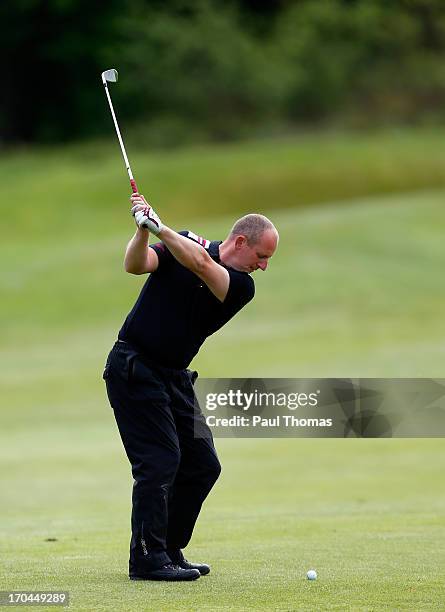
164	255
162	252
241	290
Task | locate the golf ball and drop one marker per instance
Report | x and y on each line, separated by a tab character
311	575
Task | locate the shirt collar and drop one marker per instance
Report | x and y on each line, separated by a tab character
214	249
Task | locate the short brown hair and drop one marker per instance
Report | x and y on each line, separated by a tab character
252	226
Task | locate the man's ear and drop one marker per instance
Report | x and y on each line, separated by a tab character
240	241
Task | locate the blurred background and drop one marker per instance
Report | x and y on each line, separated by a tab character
199	70
326	115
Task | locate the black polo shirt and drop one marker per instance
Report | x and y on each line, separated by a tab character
175	311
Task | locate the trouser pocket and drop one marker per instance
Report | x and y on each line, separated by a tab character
192	375
120	362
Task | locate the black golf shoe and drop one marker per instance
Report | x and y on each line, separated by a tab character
202	568
179	559
167	572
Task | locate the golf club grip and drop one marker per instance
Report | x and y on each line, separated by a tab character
133	185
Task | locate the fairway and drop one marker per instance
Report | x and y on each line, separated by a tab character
366	514
355	289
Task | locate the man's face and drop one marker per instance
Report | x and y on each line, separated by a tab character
256	256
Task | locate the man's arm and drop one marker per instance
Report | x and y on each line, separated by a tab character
194	257
188	253
139	258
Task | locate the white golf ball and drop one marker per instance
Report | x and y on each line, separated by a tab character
311	575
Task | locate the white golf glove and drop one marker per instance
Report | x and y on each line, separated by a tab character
146	217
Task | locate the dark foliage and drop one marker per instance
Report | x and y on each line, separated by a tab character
217	69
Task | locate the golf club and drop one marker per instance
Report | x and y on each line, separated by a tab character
110	76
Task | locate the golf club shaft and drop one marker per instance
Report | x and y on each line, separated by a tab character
121	142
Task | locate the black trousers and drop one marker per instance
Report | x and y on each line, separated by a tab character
173	469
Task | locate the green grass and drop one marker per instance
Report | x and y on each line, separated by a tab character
355	289
65	194
368	515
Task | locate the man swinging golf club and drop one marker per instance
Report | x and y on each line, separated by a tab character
195	286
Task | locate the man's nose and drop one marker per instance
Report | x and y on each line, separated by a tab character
262	265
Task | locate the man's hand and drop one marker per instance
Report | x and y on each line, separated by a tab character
144	214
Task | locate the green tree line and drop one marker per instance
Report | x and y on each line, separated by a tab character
218	69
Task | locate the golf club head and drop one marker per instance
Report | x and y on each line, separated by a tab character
109	75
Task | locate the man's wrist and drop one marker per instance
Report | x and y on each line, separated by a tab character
142	236
165	232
